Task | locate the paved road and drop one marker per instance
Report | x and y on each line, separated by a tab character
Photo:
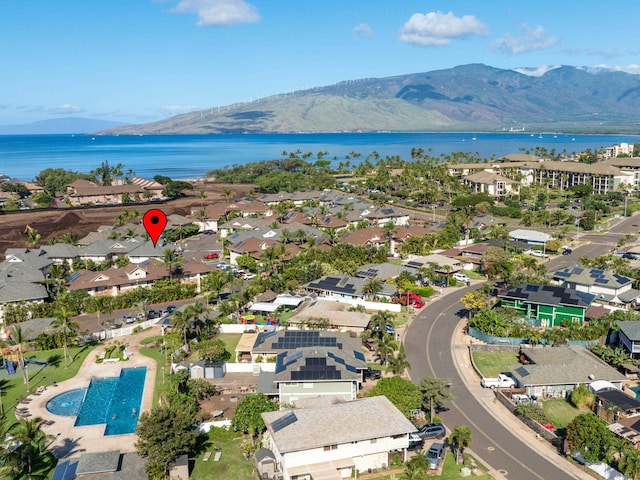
429	349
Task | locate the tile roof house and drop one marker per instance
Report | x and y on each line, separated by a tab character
548	305
330	442
84	192
491	183
608	287
366	237
556	371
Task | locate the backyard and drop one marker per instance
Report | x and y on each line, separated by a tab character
560	411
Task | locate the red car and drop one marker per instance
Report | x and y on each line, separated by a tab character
211	256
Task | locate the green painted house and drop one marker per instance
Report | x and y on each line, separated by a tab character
548	305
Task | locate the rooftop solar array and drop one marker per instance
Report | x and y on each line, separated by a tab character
370	273
316	369
293	339
523	372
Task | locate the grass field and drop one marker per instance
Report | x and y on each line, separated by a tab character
51	369
230	343
232	463
560	411
491	364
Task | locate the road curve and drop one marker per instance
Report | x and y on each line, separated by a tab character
429	349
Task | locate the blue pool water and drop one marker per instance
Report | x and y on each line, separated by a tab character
114	401
636	389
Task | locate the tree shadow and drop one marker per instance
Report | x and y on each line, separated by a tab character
55	360
68	447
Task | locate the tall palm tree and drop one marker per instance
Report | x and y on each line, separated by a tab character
181	322
460	439
64	324
17	338
56	278
378	323
99	305
32	442
170	260
371	287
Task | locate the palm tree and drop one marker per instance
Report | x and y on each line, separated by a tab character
378	323
56	278
386	348
371	287
32	442
18	339
417	468
399	363
460	439
99	305
7	466
33	237
181	322
64	323
201	195
170	260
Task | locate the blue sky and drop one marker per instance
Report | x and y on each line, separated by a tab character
137	61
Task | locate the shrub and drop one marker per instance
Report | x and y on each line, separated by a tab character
532	411
581	397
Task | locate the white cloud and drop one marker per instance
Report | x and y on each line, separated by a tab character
363	31
531	38
219	12
178	109
65	109
632	68
437	28
536	71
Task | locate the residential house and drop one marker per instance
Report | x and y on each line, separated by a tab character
365	237
492	184
309	373
608	287
331	442
346	288
532	237
383	271
556	371
548	305
84	192
380	216
441	264
339	314
629	337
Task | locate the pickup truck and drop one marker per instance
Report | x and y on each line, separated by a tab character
501	381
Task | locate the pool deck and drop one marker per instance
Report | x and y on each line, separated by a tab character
71	441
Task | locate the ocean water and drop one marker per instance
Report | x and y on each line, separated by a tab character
190	156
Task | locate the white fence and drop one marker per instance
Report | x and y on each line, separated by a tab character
249	367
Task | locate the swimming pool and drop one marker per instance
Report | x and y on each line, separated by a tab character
114	401
636	389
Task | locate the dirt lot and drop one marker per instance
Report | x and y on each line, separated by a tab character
56	223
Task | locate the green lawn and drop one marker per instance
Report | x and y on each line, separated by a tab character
491	364
230	343
232	463
450	471
12	387
560	411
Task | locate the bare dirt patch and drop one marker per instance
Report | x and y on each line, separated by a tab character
55	223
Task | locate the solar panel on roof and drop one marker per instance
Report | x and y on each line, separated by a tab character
73	277
284	421
522	371
532	288
359	355
603	281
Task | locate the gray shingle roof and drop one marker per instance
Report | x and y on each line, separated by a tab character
631	329
358	420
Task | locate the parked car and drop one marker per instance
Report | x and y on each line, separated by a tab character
207	232
519	398
567	251
369	344
140	316
153	314
501	381
373	374
630	256
435	454
388	328
438	282
460	277
537	253
171	308
128	319
211	256
415	442
432	430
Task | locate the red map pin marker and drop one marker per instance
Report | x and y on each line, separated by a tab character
154	222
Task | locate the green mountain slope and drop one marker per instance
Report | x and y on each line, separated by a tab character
470	97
